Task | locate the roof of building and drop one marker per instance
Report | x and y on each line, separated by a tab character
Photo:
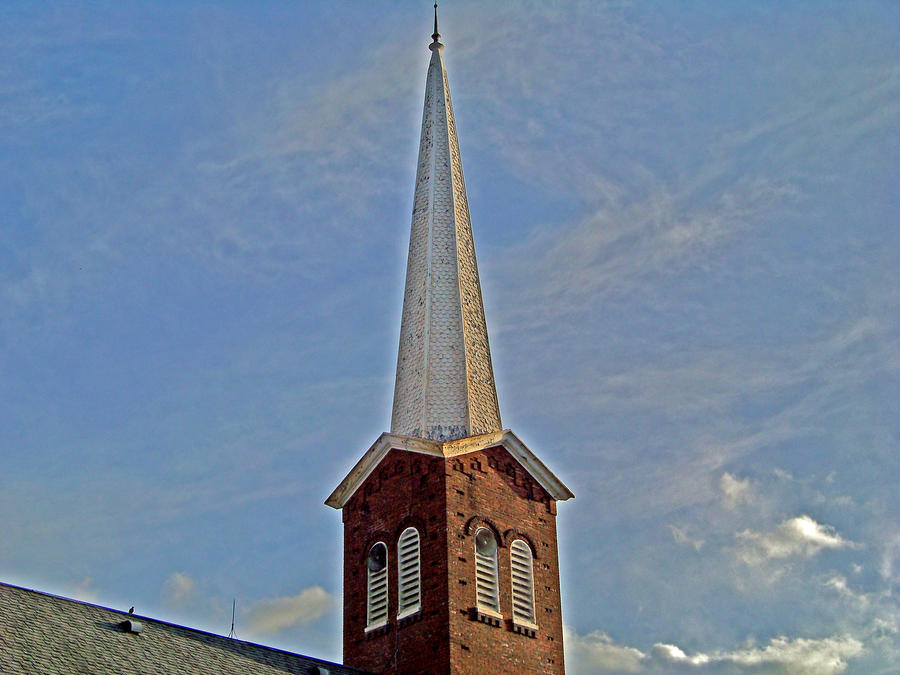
506	439
43	633
445	386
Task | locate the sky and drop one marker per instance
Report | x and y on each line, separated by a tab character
686	219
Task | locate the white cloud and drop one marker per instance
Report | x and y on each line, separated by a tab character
179	588
799	656
800	536
674	654
596	652
734	490
274	614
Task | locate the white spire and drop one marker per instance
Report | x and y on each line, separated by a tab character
445	382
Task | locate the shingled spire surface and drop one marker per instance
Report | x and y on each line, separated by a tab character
445	381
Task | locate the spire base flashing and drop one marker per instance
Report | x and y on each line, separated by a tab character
441	433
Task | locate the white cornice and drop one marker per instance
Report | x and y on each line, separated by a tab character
506	438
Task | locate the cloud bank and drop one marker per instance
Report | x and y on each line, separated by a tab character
598	653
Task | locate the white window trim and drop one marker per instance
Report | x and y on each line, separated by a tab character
524	567
410	611
488	564
379	577
487	611
403	562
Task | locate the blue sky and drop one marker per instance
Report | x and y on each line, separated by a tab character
686	216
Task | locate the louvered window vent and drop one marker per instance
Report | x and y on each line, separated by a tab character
409	575
487	587
377	587
521	567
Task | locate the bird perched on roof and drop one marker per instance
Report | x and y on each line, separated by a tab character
131	611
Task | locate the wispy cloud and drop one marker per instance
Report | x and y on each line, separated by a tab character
275	614
612	250
713	408
682	538
734	490
838	584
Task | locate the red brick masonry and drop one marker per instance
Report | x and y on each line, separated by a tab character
447	500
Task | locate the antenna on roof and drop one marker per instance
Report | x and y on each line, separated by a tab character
231	633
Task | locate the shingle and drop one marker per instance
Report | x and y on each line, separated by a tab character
43	634
444	388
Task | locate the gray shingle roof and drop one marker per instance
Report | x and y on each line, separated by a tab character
42	634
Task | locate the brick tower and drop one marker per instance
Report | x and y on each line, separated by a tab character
450	555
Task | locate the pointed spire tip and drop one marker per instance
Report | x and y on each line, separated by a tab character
435	37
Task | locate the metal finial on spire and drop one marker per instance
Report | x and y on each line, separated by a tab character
435	36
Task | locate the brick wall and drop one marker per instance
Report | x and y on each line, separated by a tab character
447	500
490	488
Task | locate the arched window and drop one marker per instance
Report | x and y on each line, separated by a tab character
521	566
377	586
487	588
409	574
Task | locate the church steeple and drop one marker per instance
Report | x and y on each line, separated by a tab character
445	381
450	549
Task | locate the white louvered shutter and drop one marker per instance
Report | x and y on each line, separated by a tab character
522	582
377	588
409	581
487	587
